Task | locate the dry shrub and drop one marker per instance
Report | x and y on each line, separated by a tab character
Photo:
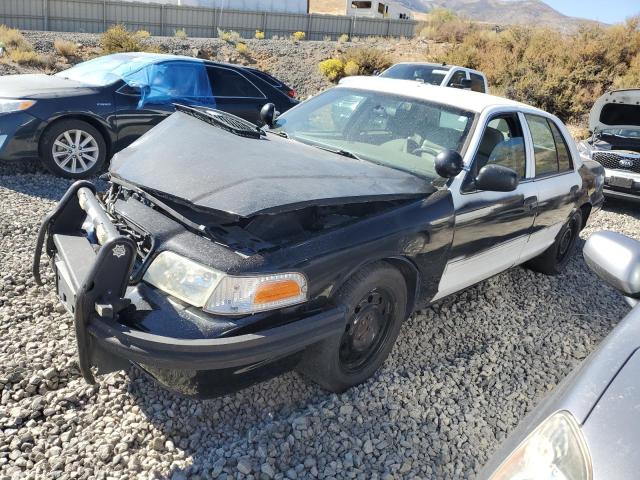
443	25
259	35
118	39
560	73
229	36
351	68
368	59
65	48
12	39
299	36
344	38
181	33
32	59
242	49
143	34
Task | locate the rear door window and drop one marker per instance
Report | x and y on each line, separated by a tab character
551	152
477	83
229	83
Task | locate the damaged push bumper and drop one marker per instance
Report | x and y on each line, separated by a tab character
93	264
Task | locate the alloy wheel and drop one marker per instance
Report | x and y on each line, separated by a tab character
75	151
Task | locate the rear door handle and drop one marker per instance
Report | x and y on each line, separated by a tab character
530	203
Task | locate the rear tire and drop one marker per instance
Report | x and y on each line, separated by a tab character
73	149
554	259
376	303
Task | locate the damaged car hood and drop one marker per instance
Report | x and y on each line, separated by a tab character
618	108
208	167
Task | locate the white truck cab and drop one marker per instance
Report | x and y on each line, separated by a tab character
439	74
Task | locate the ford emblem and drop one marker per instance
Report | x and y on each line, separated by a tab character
626	163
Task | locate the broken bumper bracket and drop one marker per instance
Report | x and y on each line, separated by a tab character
91	260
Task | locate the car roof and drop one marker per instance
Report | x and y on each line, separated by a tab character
165	57
460	98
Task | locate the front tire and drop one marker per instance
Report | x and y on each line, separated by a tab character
554	260
73	149
376	303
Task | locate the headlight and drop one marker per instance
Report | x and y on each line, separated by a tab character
236	295
224	294
555	450
9	105
183	278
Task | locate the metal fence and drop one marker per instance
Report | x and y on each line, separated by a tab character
95	16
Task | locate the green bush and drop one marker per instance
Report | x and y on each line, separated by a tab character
332	69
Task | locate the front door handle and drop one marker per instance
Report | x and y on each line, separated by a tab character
530	203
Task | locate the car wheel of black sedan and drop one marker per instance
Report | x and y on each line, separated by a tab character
555	258
376	300
73	149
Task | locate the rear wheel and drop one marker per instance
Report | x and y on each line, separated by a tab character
554	260
375	299
73	149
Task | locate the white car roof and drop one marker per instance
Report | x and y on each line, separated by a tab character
456	97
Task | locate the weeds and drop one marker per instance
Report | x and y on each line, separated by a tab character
65	48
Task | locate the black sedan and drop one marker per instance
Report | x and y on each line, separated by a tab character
75	120
321	236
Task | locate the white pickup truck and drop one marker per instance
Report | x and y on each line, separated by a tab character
439	74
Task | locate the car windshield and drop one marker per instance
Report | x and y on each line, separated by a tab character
400	132
106	70
622	132
432	74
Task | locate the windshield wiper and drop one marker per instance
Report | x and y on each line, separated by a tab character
282	134
337	151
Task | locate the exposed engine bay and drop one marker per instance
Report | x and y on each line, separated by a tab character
247	236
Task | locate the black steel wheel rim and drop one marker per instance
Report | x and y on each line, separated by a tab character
566	240
367	331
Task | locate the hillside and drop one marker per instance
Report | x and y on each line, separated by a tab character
500	12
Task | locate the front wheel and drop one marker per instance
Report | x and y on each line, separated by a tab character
376	300
73	149
554	260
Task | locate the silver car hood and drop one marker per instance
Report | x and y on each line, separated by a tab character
616	109
612	428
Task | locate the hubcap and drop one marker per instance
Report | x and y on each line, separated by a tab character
75	151
366	331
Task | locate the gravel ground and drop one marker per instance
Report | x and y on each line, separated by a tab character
461	376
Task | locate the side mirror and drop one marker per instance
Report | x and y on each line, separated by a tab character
449	163
615	258
132	90
268	114
496	178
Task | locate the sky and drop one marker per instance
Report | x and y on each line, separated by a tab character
608	11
